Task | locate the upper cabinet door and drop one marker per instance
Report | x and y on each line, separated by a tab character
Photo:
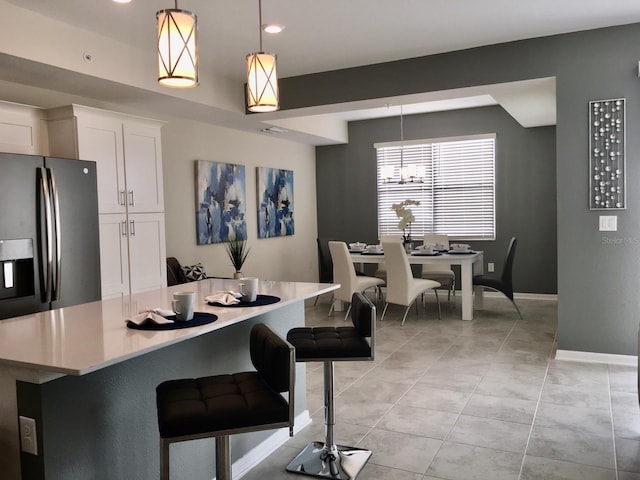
100	140
143	162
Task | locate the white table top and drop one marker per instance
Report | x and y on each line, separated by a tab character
448	258
80	339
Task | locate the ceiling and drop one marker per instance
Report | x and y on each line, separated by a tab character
335	34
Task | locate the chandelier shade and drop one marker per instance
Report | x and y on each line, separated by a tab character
262	78
177	48
262	83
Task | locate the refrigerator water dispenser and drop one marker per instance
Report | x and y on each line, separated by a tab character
16	268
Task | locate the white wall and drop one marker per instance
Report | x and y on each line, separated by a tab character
284	258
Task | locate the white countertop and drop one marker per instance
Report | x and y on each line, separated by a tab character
84	338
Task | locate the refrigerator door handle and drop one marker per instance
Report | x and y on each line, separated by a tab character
58	233
48	235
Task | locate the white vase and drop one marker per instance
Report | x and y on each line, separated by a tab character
237	274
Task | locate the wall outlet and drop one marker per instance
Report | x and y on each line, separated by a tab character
28	436
491	267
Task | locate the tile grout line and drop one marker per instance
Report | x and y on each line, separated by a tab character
535	413
613	430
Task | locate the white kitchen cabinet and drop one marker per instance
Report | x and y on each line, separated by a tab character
114	255
132	253
127	151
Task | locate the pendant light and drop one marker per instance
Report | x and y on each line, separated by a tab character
177	48
262	78
406	174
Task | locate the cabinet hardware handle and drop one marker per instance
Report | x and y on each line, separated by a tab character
123	228
123	197
131	198
133	228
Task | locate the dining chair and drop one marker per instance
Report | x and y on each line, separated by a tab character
402	287
440	272
325	264
503	284
344	273
381	272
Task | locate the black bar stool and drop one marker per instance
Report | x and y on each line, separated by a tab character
330	344
223	405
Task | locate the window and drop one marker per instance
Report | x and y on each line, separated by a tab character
452	178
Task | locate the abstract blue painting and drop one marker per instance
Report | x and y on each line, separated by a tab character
221	202
275	202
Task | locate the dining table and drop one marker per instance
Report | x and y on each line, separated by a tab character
471	263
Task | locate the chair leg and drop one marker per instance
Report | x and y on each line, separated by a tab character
316	300
515	305
383	312
223	458
438	302
333	303
164	459
405	315
346	317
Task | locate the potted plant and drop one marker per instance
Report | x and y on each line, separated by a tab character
406	217
238	252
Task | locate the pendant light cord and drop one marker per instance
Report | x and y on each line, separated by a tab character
259	22
401	145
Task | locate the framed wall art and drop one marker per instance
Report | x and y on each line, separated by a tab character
275	202
607	164
220	203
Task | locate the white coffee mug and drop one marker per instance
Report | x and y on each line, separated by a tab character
249	289
182	304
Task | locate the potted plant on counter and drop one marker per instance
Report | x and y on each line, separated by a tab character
238	252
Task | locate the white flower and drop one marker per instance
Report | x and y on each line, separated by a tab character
405	214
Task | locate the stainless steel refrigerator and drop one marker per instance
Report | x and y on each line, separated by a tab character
49	239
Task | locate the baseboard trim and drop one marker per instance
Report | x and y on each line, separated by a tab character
532	296
257	454
592	357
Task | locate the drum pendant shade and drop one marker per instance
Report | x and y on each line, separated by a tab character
177	48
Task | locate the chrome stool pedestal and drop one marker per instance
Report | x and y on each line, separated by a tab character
326	459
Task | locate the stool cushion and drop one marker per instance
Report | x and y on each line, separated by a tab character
221	402
328	343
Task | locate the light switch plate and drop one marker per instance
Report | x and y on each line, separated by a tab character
608	223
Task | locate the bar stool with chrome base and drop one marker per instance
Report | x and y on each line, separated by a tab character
330	344
222	405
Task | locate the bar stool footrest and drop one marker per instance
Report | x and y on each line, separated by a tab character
336	462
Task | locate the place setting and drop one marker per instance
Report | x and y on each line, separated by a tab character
181	315
460	249
373	250
428	250
247	296
357	247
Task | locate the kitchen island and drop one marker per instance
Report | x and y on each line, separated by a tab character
89	381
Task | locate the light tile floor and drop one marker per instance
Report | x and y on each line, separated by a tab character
447	399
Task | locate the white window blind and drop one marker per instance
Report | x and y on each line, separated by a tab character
452	178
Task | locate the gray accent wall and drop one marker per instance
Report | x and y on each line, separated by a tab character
597	271
525	186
